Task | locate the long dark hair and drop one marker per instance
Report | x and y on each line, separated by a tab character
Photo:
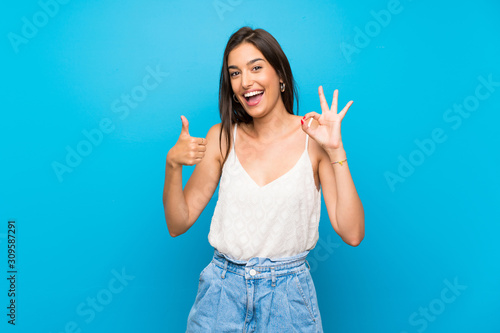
232	112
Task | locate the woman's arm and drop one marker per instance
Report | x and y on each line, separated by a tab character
183	207
341	198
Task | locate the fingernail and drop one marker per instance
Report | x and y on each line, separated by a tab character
304	117
302	121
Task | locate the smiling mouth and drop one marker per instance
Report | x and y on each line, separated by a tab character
254	97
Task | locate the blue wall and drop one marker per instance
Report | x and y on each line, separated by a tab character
92	92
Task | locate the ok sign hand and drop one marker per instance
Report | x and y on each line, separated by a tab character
327	133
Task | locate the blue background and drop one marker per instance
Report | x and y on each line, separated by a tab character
77	231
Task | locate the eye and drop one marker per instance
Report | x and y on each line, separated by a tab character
234	73
257	67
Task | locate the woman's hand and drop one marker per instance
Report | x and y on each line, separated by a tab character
188	150
327	134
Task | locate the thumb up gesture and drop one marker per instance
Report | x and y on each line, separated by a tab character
188	150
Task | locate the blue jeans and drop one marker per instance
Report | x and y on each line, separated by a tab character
259	295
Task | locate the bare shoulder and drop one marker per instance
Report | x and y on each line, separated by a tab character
214	136
214	132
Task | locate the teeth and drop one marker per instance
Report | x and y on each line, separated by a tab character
253	93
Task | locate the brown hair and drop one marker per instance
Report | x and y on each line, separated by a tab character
232	112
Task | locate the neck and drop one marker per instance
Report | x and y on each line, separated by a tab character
273	125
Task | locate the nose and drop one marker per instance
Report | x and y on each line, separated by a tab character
246	80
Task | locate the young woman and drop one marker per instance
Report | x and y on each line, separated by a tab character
271	177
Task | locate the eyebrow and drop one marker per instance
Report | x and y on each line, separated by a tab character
248	63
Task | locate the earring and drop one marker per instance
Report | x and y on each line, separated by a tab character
235	99
282	87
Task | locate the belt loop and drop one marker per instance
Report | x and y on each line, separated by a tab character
273	277
225	269
307	263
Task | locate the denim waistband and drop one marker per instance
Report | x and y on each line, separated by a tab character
261	267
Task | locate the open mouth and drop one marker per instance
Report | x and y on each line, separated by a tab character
254	97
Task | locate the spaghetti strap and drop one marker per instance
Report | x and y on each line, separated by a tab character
307	135
234	134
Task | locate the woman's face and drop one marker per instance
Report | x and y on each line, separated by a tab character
253	80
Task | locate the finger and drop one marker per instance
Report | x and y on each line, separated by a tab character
322	99
311	114
195	161
199	158
201	141
305	126
196	157
307	120
198	141
185	125
345	109
335	100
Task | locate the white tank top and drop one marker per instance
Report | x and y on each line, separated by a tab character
279	219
